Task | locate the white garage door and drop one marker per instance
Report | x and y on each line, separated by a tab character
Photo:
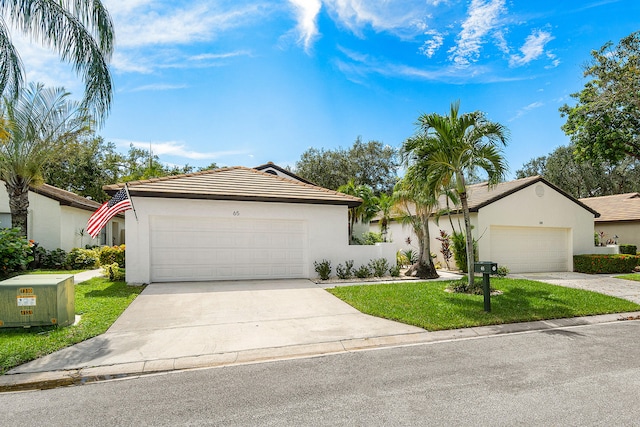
530	249
198	248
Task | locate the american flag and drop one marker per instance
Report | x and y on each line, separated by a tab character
118	203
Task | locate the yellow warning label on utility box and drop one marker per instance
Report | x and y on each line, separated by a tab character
26	301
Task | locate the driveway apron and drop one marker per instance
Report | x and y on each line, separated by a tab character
178	320
601	283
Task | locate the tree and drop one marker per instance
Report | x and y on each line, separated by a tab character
366	210
38	123
583	178
415	202
371	163
81	32
447	147
605	122
385	208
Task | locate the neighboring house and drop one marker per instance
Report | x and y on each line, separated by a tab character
527	225
619	217
236	223
57	219
274	169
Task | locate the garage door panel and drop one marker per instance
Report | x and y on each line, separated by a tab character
226	249
530	249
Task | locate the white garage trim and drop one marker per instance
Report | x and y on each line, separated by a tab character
531	249
211	248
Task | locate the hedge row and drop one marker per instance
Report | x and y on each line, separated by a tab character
609	264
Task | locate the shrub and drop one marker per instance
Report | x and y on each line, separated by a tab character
502	271
79	258
111	254
462	286
628	249
114	272
369	238
460	250
609	264
345	272
395	271
445	247
411	255
379	267
363	272
15	251
55	259
401	259
323	268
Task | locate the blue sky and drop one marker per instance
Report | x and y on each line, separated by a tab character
245	82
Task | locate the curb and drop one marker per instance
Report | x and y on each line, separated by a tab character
54	379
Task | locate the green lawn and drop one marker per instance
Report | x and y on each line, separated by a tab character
53	271
427	305
99	302
634	276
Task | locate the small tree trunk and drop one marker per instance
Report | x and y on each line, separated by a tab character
469	237
18	192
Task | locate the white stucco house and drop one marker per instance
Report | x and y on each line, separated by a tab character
619	218
57	219
236	223
527	225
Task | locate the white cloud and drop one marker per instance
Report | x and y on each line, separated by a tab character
430	47
178	149
524	110
306	14
483	18
532	49
404	18
157	87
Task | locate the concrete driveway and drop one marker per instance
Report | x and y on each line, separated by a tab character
174	325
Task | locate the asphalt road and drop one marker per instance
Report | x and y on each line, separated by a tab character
581	376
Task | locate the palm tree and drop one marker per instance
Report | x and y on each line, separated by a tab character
37	123
81	31
385	206
447	147
366	210
415	204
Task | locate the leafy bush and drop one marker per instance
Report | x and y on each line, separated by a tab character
462	286
460	250
411	255
111	254
445	246
345	272
401	259
395	271
628	249
79	258
369	238
114	272
502	271
609	264
363	272
55	259
323	268
15	251
379	267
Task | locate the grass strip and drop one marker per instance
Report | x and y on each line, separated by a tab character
99	302
634	276
429	306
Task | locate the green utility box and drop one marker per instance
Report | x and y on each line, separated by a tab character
37	300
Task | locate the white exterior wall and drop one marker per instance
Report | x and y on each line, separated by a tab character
327	229
532	207
43	222
628	232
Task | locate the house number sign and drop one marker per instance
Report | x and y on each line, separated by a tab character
236	213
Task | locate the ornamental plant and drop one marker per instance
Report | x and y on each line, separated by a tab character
15	251
605	264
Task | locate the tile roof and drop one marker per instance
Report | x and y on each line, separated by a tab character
271	165
619	207
66	198
235	183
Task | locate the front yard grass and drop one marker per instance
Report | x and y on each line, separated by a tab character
634	276
427	305
99	302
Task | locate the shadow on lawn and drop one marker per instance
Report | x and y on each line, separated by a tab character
114	290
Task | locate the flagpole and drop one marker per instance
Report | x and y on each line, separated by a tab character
126	188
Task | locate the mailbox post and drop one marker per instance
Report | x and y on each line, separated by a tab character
486	268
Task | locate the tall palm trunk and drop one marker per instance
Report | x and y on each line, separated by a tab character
18	191
469	237
425	268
